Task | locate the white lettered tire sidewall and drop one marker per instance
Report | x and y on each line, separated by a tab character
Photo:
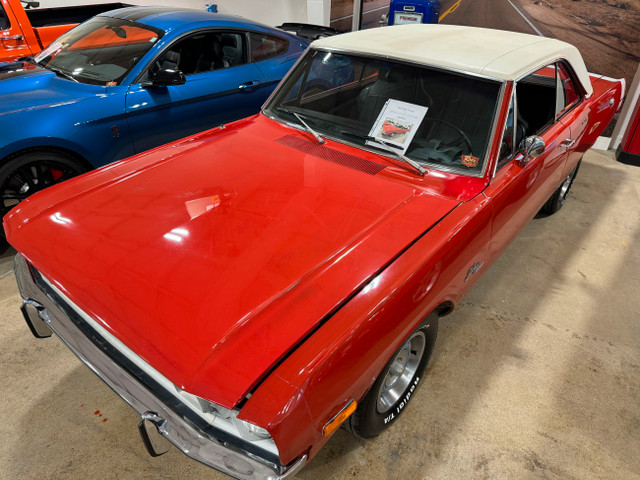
367	421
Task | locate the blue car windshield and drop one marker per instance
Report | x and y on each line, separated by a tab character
101	51
440	119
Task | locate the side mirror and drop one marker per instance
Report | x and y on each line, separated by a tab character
165	78
532	147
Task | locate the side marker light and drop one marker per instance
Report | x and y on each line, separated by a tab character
333	424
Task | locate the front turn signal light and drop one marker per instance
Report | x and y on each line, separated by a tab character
333	424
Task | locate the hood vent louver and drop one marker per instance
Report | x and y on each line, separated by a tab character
332	155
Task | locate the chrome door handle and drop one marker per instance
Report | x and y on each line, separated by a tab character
568	143
12	37
249	85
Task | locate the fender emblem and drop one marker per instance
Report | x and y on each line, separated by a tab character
474	268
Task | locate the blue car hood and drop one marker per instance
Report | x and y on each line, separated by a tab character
24	86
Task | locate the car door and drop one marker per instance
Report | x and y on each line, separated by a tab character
12	40
221	86
519	189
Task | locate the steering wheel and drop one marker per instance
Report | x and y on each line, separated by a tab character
462	136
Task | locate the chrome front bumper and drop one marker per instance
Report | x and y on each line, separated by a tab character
44	308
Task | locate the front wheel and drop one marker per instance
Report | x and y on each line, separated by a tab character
30	172
396	384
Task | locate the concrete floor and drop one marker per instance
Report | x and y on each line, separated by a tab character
536	374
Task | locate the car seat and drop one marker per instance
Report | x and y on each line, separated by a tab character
211	57
231	53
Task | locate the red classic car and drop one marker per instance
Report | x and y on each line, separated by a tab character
390	129
250	289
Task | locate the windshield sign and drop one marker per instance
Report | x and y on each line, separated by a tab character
436	118
101	51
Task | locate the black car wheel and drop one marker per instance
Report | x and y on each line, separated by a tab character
30	172
556	200
396	384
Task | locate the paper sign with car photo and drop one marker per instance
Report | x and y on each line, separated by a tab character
397	123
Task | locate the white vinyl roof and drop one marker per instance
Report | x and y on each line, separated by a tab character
493	53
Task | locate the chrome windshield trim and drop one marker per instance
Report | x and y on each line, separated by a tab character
187	431
492	136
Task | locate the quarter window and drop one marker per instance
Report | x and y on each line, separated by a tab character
568	93
508	137
266	46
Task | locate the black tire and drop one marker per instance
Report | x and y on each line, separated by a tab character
556	200
30	172
387	398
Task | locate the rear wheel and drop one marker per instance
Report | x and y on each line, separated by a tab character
556	200
395	385
30	172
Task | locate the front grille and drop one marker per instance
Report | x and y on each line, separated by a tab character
185	405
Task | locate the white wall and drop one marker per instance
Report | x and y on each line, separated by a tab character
271	12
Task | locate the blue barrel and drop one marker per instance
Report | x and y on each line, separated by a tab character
413	11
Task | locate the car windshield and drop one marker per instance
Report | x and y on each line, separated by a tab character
100	51
438	118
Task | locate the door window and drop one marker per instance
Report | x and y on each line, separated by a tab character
536	95
202	52
543	97
266	46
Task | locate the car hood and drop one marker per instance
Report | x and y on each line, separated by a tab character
213	257
24	86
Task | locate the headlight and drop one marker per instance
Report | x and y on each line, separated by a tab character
246	430
255	430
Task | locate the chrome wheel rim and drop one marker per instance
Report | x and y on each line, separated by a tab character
564	188
402	371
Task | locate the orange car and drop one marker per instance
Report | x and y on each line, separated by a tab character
24	31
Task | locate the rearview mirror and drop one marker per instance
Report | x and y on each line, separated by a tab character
165	78
532	147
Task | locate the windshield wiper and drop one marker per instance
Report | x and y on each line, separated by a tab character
60	73
415	165
304	124
309	129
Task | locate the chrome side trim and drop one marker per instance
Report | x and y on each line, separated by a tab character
189	433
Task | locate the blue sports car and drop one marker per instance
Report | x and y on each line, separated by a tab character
126	81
